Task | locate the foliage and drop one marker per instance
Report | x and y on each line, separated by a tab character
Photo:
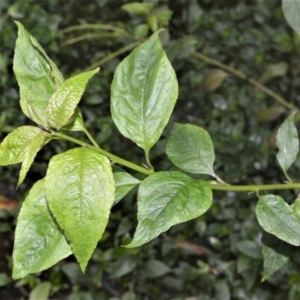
245	249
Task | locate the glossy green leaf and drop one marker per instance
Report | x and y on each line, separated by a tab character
166	199
144	91
291	11
31	151
124	183
63	102
16	144
80	191
287	142
39	243
37	76
190	148
276	217
273	261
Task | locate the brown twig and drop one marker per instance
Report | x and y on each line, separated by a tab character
243	76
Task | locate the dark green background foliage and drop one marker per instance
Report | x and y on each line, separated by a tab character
218	256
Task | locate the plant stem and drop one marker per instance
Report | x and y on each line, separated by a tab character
243	76
113	55
255	188
91	138
114	158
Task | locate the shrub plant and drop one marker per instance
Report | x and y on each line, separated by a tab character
67	211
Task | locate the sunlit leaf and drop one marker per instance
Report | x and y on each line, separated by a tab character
64	100
166	199
30	152
144	91
16	144
76	123
124	183
276	217
190	148
291	10
39	243
287	142
80	191
37	76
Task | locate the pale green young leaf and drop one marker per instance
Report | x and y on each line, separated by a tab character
63	102
273	261
39	242
31	151
291	11
166	199
143	93
190	148
287	142
275	216
37	76
15	145
76	123
80	191
124	183
138	8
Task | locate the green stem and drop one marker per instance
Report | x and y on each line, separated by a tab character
255	188
114	158
91	138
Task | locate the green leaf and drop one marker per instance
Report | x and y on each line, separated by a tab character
291	11
166	199
213	79
296	207
124	183
63	102
288	143
155	268
16	144
80	191
76	123
144	91
31	151
39	243
137	8
276	217
274	70
37	76
123	266
41	291
273	261
190	148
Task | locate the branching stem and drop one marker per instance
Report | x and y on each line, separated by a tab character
114	158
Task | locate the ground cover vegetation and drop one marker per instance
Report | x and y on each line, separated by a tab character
236	68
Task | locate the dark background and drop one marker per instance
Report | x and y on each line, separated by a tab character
217	256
